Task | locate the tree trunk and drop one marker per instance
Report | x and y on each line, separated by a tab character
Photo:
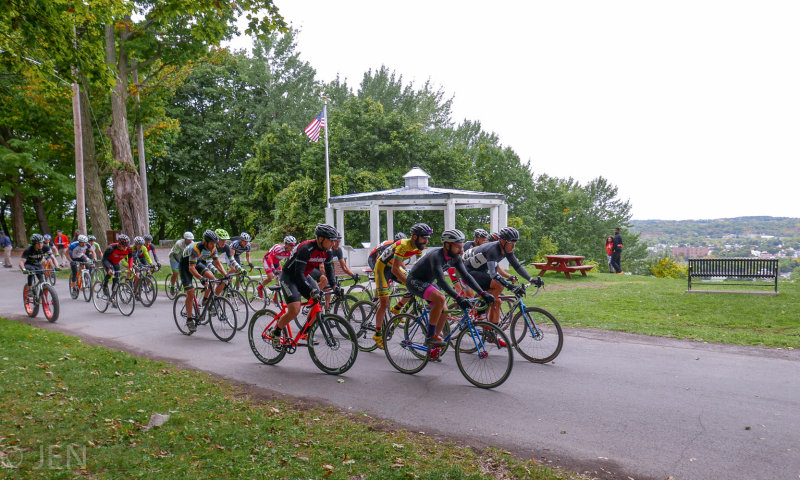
3	224
95	196
18	217
40	215
127	185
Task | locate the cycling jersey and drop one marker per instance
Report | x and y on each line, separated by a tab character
307	256
469	245
94	251
402	249
179	247
431	267
140	256
152	252
77	251
276	254
373	255
238	248
228	251
33	256
485	258
197	252
337	254
114	254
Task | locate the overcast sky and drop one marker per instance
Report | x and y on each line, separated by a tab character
691	108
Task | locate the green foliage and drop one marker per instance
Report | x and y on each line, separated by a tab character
666	267
546	247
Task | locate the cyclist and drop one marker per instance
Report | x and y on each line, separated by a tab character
48	241
31	261
113	255
373	255
78	253
176	253
223	246
242	245
193	264
336	255
295	280
390	266
481	236
431	268
94	249
272	260
482	265
62	242
151	250
139	254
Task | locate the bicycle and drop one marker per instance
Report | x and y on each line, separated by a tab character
83	283
479	348
362	319
144	285
237	300
40	293
217	311
535	333
121	296
50	271
329	338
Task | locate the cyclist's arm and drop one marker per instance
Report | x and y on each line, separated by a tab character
330	273
147	257
466	277
218	265
152	252
512	260
345	268
442	281
398	270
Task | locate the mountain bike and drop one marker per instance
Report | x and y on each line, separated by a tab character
120	296
481	348
215	311
40	293
83	282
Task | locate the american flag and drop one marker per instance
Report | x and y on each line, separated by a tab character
312	130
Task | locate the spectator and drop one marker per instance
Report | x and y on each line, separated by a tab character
75	235
61	242
5	244
616	255
609	251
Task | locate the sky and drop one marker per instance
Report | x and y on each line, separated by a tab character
691	108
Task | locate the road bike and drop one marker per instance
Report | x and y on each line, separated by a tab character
362	318
120	296
329	338
83	282
215	311
40	293
237	299
143	283
481	349
535	333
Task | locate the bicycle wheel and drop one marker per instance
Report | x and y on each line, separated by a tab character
537	336
99	298
343	305
50	305
222	319
171	289
404	343
86	286
97	275
258	335
490	364
31	305
148	290
179	313
154	281
74	291
126	301
359	291
241	307
362	320
256	301
51	277
332	344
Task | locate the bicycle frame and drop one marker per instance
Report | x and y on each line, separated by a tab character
464	324
293	341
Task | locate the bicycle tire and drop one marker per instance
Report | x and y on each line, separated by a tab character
363	323
263	321
402	337
51	277
332	344
179	313
170	289
99	298
222	318
241	306
86	287
50	305
98	275
343	305
544	343
256	302
359	291
126	301
496	363
74	291
148	291
31	305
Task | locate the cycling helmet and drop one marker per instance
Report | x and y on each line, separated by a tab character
400	236
326	231
138	240
288	239
148	238
453	236
47	236
123	240
36	238
493	237
188	236
83	239
210	236
245	237
481	233
509	234
222	233
92	238
421	230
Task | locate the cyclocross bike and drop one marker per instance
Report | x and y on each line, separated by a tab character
216	311
119	296
83	283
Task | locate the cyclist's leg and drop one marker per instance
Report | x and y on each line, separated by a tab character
73	265
383	282
175	264
496	289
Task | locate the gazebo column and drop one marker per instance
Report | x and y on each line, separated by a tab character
390	224
449	214
374	225
329	215
503	219
340	223
493	220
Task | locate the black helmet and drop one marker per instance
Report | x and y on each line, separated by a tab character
148	238
481	233
36	238
421	230
453	236
509	234
210	236
123	240
326	231
399	236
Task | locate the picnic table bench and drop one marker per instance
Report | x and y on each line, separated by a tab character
723	268
563	263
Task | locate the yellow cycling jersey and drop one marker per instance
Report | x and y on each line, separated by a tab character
402	249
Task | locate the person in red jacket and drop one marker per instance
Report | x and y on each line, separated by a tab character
61	242
609	251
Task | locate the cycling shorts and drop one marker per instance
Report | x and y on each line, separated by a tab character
292	291
420	288
383	279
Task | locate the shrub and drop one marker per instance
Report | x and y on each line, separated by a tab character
546	247
666	267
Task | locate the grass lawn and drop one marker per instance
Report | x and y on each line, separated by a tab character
658	306
72	410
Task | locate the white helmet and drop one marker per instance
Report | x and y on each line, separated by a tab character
188	235
83	239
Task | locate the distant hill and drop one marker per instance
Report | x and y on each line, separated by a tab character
651	230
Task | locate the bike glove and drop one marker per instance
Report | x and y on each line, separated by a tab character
464	303
538	281
487	297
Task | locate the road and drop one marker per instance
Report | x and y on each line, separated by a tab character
616	405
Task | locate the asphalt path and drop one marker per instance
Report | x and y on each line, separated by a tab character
614	405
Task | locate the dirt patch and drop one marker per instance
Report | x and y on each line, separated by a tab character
572	286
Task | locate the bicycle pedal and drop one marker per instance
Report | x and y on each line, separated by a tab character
434	354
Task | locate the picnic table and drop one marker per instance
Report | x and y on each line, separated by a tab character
563	263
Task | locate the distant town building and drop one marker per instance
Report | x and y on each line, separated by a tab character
687	252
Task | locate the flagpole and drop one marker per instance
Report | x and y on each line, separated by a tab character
327	161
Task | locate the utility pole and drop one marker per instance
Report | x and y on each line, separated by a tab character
140	149
78	129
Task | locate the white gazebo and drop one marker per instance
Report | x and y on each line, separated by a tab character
416	195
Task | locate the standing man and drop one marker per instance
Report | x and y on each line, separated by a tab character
616	254
62	243
5	244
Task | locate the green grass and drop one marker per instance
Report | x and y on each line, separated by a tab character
661	307
73	410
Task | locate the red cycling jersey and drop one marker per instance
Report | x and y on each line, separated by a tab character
276	254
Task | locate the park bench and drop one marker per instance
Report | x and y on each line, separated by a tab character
721	269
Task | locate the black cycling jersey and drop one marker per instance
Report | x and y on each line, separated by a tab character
469	245
485	258
431	266
238	249
306	257
33	256
337	254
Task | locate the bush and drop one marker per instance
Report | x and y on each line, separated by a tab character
546	247
666	267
